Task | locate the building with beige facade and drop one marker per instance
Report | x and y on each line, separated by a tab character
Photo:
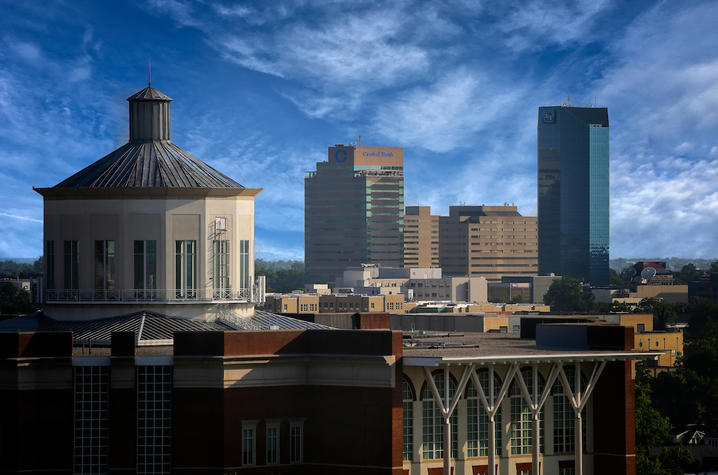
421	237
332	303
148	227
354	210
488	241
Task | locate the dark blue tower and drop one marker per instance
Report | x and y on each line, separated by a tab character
573	202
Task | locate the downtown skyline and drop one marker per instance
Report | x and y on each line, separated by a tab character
263	90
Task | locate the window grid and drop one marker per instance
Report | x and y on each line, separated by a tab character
408	414
105	269
154	405
244	283
566	471
220	271
145	278
272	444
185	269
564	418
521	419
248	446
50	256
477	420
296	443
433	422
91	392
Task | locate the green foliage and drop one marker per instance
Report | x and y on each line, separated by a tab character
651	429
614	278
688	273
14	300
567	295
282	276
12	269
663	312
714	266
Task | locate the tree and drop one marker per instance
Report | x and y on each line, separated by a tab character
567	295
614	278
651	429
14	300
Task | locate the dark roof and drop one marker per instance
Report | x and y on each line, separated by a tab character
152	328
149	94
156	164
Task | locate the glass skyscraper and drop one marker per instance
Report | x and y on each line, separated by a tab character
573	204
354	211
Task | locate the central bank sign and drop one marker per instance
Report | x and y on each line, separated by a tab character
378	154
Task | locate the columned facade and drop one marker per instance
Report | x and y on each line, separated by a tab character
499	407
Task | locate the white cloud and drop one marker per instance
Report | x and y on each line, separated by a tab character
446	114
533	24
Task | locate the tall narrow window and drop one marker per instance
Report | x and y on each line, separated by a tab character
564	417
248	444
145	281
91	389
272	443
220	269
105	270
433	422
296	442
477	425
521	419
154	431
50	266
72	269
407	403
185	269
244	283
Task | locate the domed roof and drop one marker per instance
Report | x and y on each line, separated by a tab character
155	164
149	159
149	94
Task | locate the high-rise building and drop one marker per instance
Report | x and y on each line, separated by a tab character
421	237
573	192
354	210
488	241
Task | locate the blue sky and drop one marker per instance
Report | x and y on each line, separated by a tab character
261	89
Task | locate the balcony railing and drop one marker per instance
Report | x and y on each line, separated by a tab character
148	295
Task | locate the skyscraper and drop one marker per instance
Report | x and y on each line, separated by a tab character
354	210
573	192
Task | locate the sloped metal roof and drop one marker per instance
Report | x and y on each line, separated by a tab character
153	328
156	164
149	94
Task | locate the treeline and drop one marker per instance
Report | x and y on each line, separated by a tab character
12	269
689	395
282	275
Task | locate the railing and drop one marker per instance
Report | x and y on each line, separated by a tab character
148	295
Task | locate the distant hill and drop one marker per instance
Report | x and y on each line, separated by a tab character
673	263
20	260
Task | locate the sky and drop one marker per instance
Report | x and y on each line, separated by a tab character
262	89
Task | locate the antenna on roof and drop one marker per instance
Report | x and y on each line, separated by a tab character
360	140
149	70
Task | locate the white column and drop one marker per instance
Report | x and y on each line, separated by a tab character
447	424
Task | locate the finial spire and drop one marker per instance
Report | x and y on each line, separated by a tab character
149	70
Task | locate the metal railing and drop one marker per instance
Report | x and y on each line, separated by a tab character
147	295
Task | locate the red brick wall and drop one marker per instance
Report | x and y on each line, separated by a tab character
614	422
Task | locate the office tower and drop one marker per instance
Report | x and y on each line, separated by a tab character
488	241
573	192
354	210
421	237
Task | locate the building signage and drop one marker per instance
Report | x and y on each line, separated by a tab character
340	155
549	117
378	154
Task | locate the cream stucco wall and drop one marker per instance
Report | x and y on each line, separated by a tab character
164	219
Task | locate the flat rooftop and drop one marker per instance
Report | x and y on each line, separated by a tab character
497	347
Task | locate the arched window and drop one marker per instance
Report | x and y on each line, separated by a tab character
433	422
521	428
407	403
477	421
563	415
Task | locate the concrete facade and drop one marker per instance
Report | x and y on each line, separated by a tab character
488	241
421	237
